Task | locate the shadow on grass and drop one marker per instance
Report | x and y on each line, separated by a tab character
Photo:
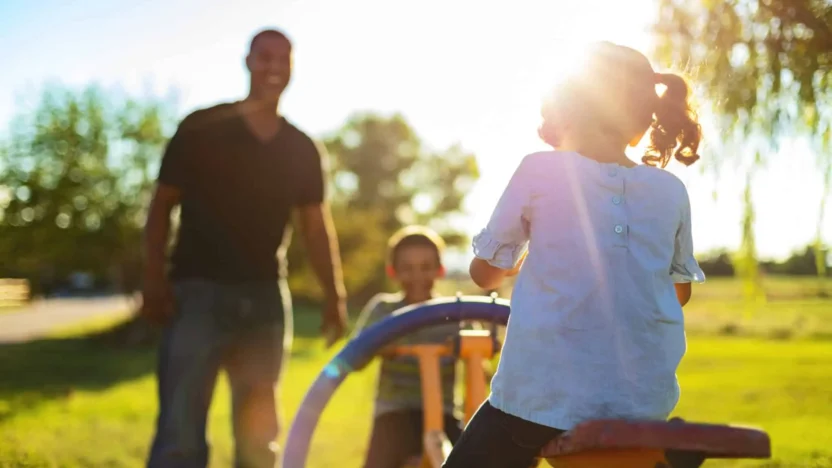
42	370
46	369
307	320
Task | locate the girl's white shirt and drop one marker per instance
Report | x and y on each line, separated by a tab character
596	330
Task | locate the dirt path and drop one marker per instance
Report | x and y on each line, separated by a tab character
45	316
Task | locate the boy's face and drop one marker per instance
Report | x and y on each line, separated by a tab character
416	268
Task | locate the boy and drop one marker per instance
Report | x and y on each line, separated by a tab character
414	262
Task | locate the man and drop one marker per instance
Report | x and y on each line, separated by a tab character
238	171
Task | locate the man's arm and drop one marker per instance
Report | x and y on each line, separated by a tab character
157	227
157	298
157	303
322	246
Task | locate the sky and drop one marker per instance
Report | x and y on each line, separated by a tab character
461	71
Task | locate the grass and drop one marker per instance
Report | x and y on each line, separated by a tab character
9	309
781	386
69	401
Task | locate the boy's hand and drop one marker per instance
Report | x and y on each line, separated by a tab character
334	320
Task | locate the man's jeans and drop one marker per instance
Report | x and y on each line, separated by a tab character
242	328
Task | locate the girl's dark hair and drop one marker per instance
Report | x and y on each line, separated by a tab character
613	71
675	130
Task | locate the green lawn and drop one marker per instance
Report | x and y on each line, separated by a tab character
9	309
68	401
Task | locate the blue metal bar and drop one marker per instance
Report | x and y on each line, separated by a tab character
361	350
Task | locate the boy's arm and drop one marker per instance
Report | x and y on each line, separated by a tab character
367	315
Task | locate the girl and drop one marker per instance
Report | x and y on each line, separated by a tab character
596	327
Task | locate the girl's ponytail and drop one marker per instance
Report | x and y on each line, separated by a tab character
675	129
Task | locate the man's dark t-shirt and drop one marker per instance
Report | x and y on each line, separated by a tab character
237	194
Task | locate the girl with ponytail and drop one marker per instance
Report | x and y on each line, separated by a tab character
674	131
604	251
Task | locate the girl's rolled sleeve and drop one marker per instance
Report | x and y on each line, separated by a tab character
684	268
506	236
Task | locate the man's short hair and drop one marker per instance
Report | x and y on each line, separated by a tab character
413	235
268	33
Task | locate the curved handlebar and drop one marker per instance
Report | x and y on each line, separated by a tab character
360	350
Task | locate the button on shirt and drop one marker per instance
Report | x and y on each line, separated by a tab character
596	330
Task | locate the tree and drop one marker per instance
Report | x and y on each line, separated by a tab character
802	262
383	177
766	67
717	263
76	174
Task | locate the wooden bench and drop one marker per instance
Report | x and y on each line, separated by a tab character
14	292
643	444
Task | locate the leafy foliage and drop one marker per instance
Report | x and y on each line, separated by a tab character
766	66
77	173
76	177
383	177
766	63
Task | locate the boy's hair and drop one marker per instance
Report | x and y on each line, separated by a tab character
616	89
409	236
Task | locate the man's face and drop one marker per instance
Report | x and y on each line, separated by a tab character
270	64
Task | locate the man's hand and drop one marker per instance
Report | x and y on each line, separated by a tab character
334	320
157	299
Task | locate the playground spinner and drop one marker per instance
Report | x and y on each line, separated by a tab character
592	444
